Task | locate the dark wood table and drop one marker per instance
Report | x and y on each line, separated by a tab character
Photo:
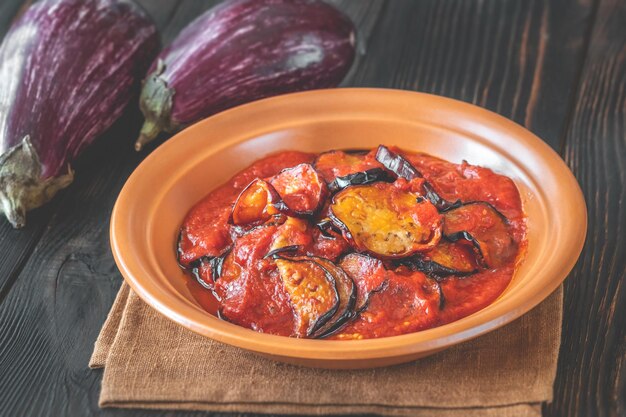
557	67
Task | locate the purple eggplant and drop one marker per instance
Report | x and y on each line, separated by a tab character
67	71
244	50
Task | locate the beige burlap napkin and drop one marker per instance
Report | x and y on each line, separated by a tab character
151	362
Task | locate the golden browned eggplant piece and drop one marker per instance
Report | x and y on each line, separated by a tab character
255	204
485	228
312	293
385	221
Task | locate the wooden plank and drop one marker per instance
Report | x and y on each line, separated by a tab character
592	365
517	58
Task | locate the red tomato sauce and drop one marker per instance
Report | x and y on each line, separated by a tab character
468	261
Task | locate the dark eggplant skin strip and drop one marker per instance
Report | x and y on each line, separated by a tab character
242	207
351	260
442	297
397	164
274	253
469	237
326	225
346	289
432	268
404	169
361	178
322	319
464	235
215	264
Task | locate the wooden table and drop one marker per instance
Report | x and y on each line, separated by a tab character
558	67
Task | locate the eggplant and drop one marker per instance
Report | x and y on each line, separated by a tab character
250	290
68	69
256	203
397	164
346	291
445	259
244	50
361	178
207	269
334	164
485	228
302	191
368	274
312	292
408	302
385	221
328	229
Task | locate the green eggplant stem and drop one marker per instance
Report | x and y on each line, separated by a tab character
155	102
21	186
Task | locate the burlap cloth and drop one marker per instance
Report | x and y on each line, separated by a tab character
151	362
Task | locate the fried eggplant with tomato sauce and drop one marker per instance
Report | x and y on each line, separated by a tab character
361	178
301	189
368	275
397	164
346	291
255	204
483	227
384	221
312	293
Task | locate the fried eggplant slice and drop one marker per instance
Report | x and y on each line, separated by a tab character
301	189
250	290
204	232
445	259
294	234
409	302
368	275
347	298
327	228
385	221
312	293
485	228
397	164
361	178
207	270
255	204
454	256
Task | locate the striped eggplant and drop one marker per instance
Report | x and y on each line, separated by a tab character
67	71
244	50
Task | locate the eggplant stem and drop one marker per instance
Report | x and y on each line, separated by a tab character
149	131
156	105
21	186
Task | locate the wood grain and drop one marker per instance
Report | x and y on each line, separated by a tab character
592	364
517	58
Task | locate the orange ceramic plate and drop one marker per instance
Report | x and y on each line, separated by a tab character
152	204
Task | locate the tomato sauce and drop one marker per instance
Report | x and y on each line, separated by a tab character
468	261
